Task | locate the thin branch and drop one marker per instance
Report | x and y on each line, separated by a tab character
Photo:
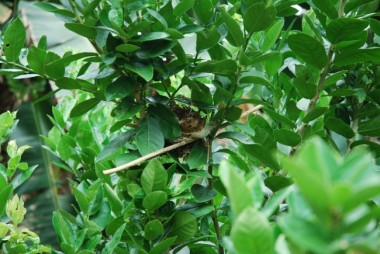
252	110
149	156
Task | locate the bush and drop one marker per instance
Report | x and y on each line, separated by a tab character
191	125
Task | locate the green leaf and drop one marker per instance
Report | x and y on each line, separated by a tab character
150	49
358	56
370	128
315	113
237	190
276	199
127	48
5	195
252	233
103	217
112	244
346	29
167	120
83	107
163	246
287	137
149	137
184	226
154	200
259	17
327	7
21	177
279	118
204	9
153	229
235	35
182	7
202	193
221	67
114	146
272	35
207	39
143	70
355	4
82	29
262	154
36	59
90	8
151	36
14	40
337	125
120	88
67	83
198	156
154	177
308	49
314	177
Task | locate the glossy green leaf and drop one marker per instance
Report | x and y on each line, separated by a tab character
127	48
5	195
154	200
275	116
167	120
150	49
120	88
198	156
252	233
358	56
237	190
287	137
153	229
327	7
14	40
259	17
221	67
272	35
112	244
262	154
235	35
355	4
314	113
308	49
83	107
114	146
182	7
202	193
184	226
345	29
204	9
208	38
82	29
339	126
151	36
163	246
154	177
149	137
144	70
276	199
370	128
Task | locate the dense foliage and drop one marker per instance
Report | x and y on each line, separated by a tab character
188	74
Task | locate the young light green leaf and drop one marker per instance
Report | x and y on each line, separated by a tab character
238	192
252	233
308	49
154	177
14	40
259	17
